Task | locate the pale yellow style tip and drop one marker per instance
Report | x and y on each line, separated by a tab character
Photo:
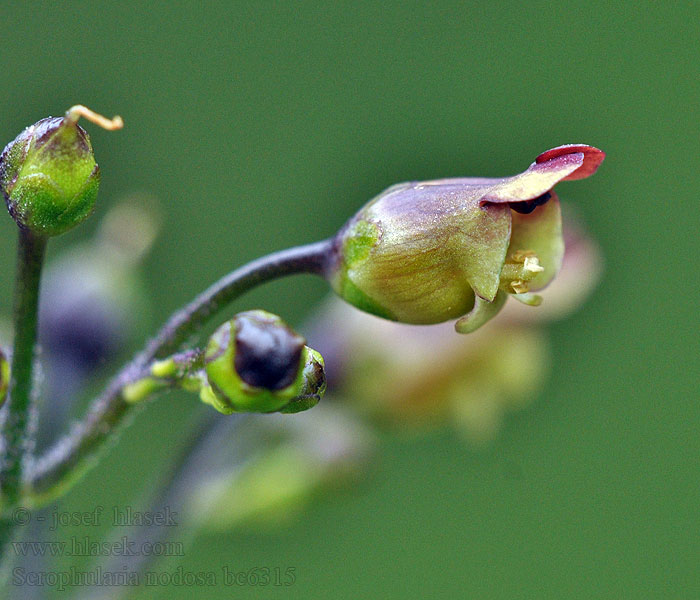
75	112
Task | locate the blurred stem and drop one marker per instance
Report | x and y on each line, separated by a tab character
15	441
191	462
71	456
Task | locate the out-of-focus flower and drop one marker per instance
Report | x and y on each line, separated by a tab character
256	363
423	375
94	304
427	252
295	459
93	301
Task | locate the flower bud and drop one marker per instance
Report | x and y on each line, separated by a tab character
48	174
256	363
4	377
428	252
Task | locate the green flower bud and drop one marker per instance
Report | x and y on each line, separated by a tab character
4	377
48	174
256	363
428	252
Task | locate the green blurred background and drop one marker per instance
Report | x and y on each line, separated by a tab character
262	125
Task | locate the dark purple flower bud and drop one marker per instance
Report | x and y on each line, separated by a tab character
257	363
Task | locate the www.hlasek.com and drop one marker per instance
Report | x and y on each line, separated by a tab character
226	576
84	546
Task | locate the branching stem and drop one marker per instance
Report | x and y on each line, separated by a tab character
71	455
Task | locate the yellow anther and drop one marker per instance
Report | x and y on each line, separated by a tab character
519	286
532	264
519	256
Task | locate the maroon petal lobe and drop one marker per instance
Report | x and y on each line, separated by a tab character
592	157
536	181
573	161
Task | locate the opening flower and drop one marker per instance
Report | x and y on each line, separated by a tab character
427	252
419	377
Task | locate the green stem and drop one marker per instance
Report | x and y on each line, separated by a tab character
77	451
311	258
30	257
16	441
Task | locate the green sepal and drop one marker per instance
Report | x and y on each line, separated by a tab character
217	401
300	404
